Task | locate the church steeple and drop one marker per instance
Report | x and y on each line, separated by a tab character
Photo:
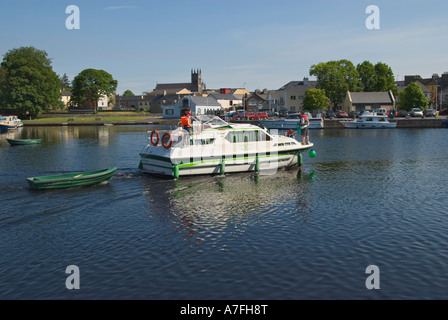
196	81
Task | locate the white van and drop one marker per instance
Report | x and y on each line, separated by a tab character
381	111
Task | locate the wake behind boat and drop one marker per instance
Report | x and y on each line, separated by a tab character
217	147
369	121
291	121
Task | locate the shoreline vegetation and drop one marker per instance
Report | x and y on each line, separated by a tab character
157	119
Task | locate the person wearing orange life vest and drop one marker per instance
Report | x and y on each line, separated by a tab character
304	128
185	120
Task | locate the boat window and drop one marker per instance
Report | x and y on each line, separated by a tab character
369	119
381	119
247	136
203	141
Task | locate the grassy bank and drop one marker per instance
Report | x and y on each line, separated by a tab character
77	119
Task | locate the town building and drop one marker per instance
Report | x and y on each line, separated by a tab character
197	104
228	101
437	85
132	103
290	96
368	101
196	86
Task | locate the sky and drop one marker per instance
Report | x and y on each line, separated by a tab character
236	44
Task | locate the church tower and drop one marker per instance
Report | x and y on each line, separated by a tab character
196	81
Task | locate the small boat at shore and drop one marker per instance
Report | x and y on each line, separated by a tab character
217	147
369	121
291	121
70	180
14	142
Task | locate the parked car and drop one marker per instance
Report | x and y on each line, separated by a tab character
443	112
394	114
261	115
402	114
430	113
330	114
381	111
239	115
341	114
416	112
250	115
354	114
228	115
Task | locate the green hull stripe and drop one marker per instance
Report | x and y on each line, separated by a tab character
218	160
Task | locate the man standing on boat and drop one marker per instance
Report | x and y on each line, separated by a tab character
304	128
185	120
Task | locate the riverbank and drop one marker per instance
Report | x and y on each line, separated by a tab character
108	120
99	120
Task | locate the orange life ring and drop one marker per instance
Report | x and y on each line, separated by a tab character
170	143
155	143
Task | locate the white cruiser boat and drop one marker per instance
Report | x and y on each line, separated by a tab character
10	122
291	121
217	147
369	121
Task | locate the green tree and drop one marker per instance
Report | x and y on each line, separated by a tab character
378	77
413	97
367	76
28	84
385	79
65	82
336	78
128	93
315	99
90	85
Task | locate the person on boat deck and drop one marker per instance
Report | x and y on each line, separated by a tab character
185	120
304	128
289	133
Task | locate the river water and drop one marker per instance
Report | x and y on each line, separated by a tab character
369	198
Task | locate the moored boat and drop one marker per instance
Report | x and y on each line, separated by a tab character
69	180
291	121
23	141
10	122
216	147
369	121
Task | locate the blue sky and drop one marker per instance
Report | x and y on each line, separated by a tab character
253	44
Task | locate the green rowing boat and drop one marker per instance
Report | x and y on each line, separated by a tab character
23	141
71	179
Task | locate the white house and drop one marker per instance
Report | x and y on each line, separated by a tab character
197	105
227	101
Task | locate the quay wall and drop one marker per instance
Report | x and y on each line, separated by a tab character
158	120
401	123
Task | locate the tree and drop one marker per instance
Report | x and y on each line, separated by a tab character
336	78
90	85
315	99
128	93
28	84
367	76
413	97
378	77
65	82
385	79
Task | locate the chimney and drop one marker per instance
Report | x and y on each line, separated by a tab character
305	81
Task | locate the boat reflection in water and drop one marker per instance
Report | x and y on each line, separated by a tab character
206	208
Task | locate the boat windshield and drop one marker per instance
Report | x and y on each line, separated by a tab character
211	120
